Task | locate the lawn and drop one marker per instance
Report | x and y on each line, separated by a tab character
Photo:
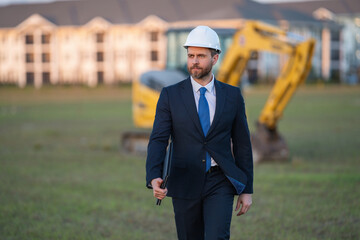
63	174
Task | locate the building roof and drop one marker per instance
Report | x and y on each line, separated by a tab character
80	12
351	7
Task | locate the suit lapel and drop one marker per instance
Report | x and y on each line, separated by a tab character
220	102
187	95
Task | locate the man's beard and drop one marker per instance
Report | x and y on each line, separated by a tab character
199	73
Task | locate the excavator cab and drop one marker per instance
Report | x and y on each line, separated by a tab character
145	94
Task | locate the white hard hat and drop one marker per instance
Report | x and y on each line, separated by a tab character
203	36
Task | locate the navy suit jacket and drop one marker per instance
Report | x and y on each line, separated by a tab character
227	141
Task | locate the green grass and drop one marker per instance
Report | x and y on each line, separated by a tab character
64	176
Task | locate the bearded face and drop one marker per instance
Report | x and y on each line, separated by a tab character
198	72
200	63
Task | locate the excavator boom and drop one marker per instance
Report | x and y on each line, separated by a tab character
267	143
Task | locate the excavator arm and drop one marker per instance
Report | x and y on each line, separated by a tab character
293	74
253	37
268	144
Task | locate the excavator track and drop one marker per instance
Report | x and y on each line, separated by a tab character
268	145
135	142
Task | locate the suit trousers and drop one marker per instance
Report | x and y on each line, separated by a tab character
209	217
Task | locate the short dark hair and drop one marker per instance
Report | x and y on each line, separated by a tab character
213	52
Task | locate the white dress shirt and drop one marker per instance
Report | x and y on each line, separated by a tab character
210	96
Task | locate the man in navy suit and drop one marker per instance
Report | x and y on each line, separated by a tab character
212	156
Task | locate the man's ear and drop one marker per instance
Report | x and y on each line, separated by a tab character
215	59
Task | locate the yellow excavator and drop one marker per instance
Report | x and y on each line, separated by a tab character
254	37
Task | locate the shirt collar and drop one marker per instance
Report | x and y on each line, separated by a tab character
209	87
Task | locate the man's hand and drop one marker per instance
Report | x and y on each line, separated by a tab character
158	192
245	200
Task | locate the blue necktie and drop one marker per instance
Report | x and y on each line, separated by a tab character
204	115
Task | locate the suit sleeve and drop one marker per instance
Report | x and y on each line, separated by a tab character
159	139
241	144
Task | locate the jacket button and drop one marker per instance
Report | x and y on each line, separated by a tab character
205	143
203	160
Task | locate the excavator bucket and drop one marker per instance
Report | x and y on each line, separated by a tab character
135	142
268	145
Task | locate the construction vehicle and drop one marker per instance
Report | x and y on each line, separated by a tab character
254	37
145	94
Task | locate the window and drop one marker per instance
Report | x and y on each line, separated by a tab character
335	75
29	57
46	78
29	39
154	36
45	38
30	78
100	37
154	56
335	36
335	54
254	55
100	56
100	77
45	57
252	75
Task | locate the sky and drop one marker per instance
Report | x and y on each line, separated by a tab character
7	2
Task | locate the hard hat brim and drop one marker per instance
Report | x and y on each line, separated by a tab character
201	45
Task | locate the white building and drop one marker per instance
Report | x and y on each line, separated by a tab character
93	42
